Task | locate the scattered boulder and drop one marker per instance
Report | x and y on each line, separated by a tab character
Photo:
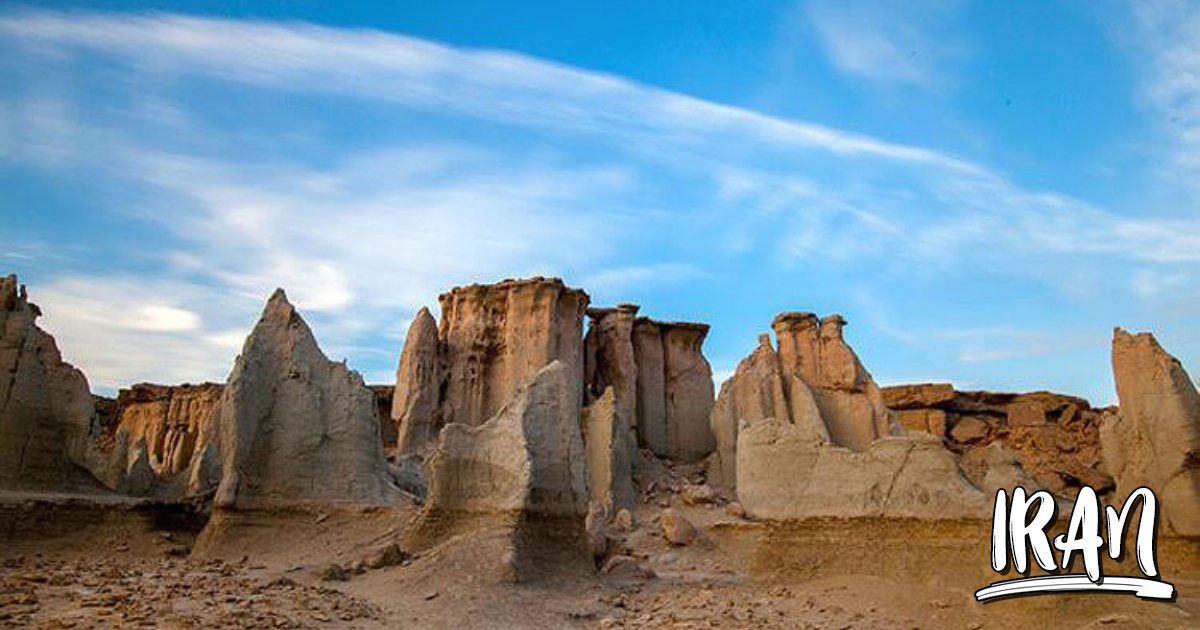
296	428
696	494
1154	440
627	568
1055	438
386	555
676	529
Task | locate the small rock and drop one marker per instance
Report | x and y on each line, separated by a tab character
385	556
626	567
623	521
334	572
677	529
697	494
735	510
433	595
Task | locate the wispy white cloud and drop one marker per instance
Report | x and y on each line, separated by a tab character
363	233
1167	32
889	42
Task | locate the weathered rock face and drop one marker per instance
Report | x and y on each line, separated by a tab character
651	386
1054	437
609	454
782	475
528	459
813	382
689	391
46	410
296	428
383	408
674	389
415	402
491	340
496	337
173	428
849	399
1154	441
755	392
610	360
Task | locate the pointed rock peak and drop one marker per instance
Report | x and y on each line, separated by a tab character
764	342
278	306
424	317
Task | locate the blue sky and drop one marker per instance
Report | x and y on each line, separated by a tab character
982	189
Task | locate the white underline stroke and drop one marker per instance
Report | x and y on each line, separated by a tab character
1142	587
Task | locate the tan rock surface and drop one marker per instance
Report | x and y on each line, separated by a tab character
1154	441
496	337
415	402
297	429
173	428
1054	437
46	410
529	458
674	389
781	475
850	402
609	455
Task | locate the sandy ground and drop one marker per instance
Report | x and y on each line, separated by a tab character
68	565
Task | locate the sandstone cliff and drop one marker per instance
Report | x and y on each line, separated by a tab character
491	340
802	432
528	458
46	410
173	429
814	382
1154	441
1055	438
295	428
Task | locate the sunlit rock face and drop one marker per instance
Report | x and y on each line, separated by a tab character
1154	440
295	428
1054	437
490	341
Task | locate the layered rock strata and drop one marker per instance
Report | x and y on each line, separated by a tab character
160	440
814	382
1056	438
295	428
491	340
1155	439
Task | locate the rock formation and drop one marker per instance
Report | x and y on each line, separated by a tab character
491	340
46	410
1055	438
850	402
782	475
610	361
674	389
814	382
1154	441
802	432
609	454
172	428
415	402
295	428
527	459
